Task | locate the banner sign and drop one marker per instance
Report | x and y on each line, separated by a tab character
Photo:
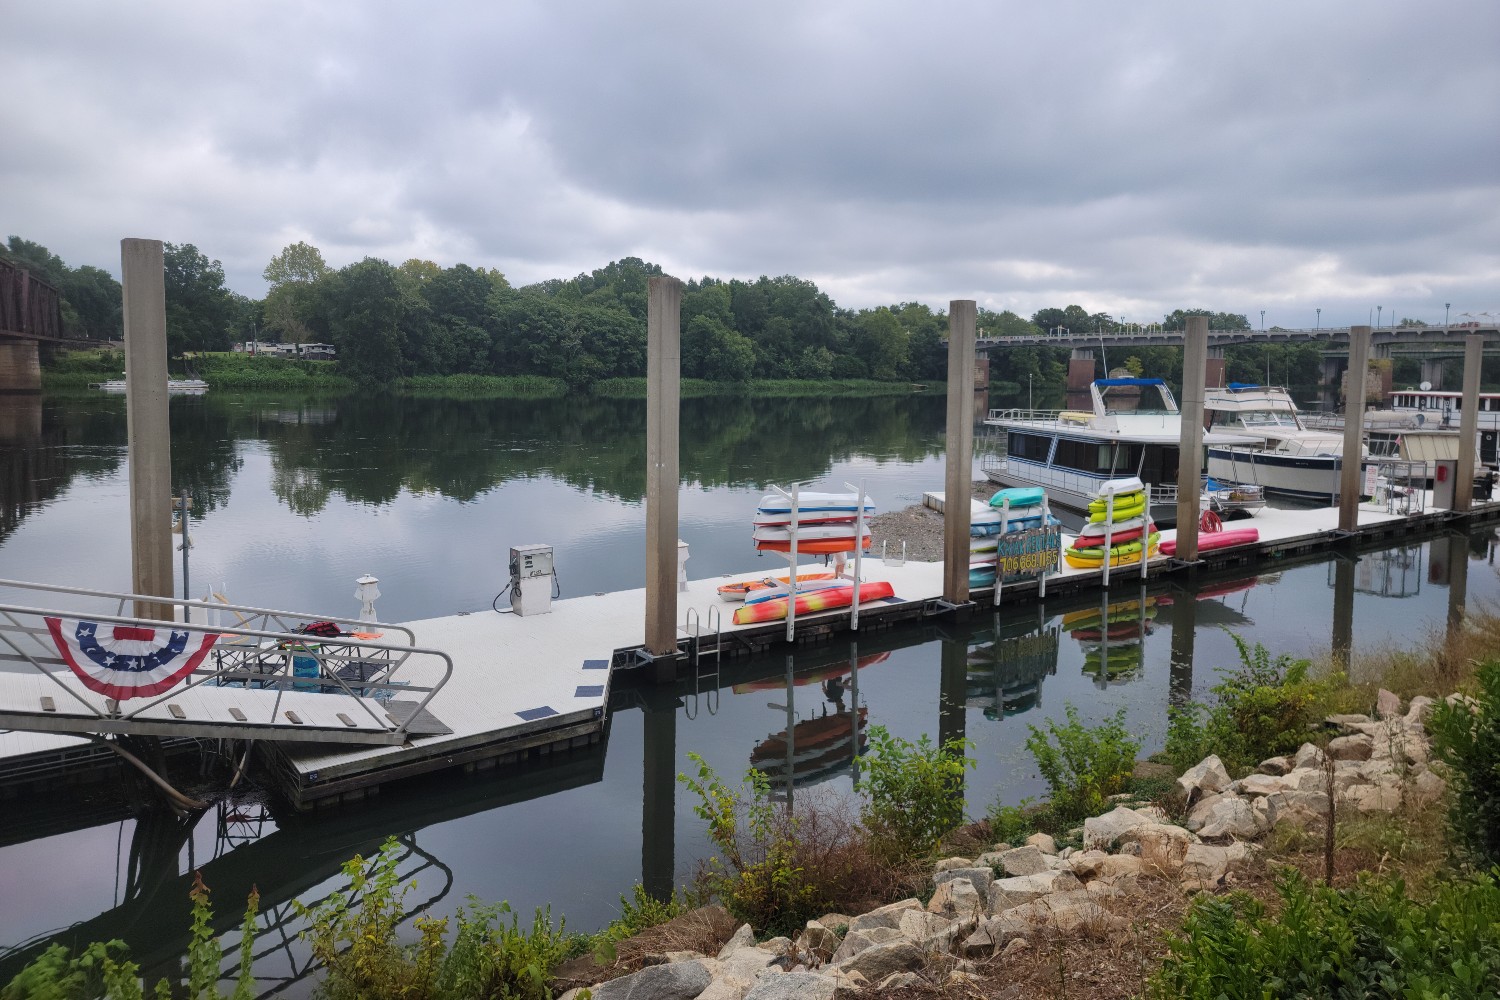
122	661
1023	555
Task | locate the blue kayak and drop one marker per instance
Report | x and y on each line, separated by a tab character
1019	496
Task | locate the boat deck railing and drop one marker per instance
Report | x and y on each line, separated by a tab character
261	675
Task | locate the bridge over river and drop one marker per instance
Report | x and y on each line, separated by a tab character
1432	345
30	314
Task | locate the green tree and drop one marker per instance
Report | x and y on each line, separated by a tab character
291	303
713	351
882	344
200	310
367	307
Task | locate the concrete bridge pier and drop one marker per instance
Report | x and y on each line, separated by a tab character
20	367
1213	373
1332	369
1080	370
1432	371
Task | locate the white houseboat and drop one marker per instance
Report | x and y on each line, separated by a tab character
1286	458
1433	408
1134	429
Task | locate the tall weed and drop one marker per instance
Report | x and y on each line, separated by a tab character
1266	708
1086	765
1466	737
913	792
1368	941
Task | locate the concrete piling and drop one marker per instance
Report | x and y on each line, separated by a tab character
962	316
1468	423
1190	440
1351	466
149	431
663	392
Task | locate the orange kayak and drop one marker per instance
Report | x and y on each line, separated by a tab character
821	600
736	591
815	547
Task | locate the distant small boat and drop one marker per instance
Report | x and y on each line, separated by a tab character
176	386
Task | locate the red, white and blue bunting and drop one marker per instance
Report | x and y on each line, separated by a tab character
125	661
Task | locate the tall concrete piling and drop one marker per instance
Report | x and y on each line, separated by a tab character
663	396
1351	464
149	431
1468	423
1190	440
962	315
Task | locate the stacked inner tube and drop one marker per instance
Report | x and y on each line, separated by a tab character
984	529
1128	528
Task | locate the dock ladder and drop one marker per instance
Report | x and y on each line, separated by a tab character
695	627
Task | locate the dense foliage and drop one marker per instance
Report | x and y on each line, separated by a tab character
913	792
1368	941
1083	766
1265	708
1466	737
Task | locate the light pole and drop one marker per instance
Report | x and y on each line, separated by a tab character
1029	404
1446	306
1319	324
1378	310
1262	321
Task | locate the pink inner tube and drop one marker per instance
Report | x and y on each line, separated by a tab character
1216	540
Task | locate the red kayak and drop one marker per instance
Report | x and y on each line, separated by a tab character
1115	538
1216	540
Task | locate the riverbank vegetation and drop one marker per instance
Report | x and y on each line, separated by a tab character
417	320
1397	899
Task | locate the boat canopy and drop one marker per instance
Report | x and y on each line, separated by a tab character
1129	381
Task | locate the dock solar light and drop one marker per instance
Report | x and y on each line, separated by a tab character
366	595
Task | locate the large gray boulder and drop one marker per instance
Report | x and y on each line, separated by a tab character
1230	816
1023	861
932	932
1008	892
880	961
979	877
957	898
1042	842
794	986
1356	747
1204	778
865	938
744	937
678	981
890	914
1101	832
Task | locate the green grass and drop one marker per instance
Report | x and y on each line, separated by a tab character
483	386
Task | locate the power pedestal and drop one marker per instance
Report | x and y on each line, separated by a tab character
531	579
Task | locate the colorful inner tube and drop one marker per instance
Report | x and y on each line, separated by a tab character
823	600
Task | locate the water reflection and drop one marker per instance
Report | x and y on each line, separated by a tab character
1005	670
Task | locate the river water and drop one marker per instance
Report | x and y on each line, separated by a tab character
297	497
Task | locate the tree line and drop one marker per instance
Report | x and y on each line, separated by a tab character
418	318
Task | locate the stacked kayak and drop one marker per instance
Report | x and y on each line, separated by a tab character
1015	509
1125	525
826	523
775	609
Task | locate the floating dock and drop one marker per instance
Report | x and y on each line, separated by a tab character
527	686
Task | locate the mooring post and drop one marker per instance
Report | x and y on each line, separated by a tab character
144	298
1184	639
1351	462
1458	581
959	484
659	790
663	389
1190	438
1468	423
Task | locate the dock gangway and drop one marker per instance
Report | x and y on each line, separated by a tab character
75	661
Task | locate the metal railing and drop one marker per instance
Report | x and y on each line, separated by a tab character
263	650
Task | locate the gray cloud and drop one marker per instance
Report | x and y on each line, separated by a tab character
1130	158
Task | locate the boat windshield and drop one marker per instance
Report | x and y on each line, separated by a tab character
1268	418
1136	398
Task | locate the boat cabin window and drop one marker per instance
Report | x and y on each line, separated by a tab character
1029	446
1135	399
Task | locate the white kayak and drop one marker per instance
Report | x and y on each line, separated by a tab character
809	532
1095	529
814	502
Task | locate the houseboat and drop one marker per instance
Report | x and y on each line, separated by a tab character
1133	429
1433	408
1286	457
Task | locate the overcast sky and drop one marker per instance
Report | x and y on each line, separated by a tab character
1128	157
